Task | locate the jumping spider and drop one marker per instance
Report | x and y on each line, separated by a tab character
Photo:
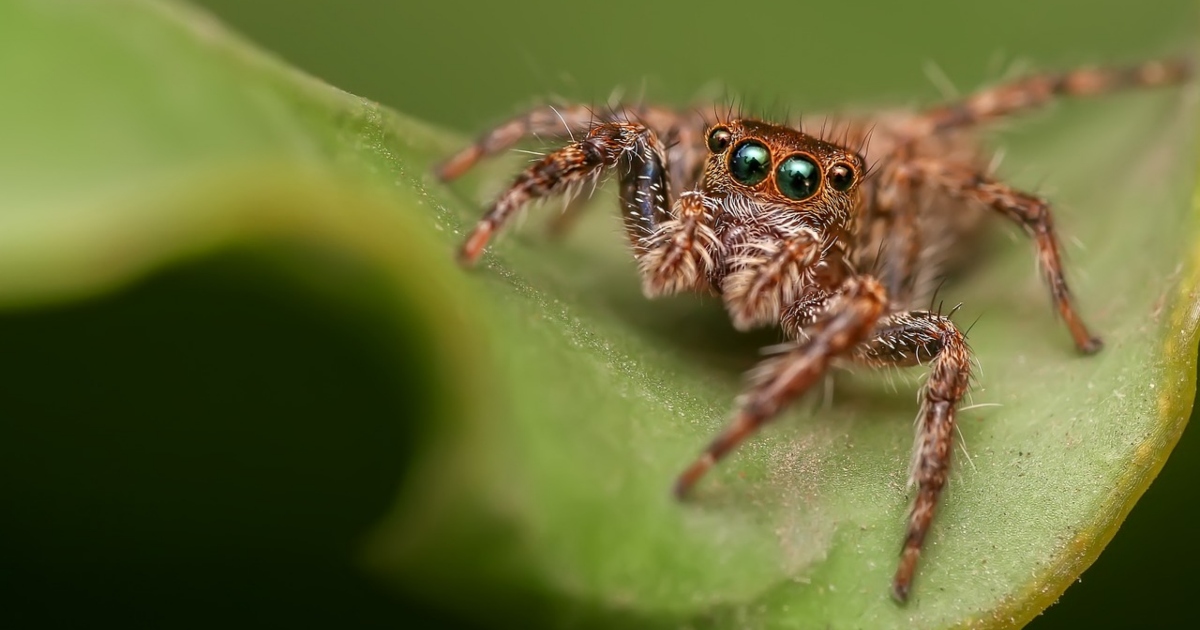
838	247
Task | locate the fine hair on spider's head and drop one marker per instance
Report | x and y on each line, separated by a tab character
767	174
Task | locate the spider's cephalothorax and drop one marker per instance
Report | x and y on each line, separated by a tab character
767	227
790	229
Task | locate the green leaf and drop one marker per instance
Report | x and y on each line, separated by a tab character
236	345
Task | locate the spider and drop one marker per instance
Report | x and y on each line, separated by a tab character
790	227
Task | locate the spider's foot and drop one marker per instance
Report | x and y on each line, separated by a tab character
472	248
683	485
1092	345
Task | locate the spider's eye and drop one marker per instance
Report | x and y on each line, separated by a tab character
798	177
718	139
750	162
841	177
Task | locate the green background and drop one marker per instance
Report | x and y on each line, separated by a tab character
460	65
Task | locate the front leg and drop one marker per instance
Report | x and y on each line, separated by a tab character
632	147
572	120
549	121
917	338
847	320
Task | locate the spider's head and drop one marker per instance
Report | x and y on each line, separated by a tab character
761	168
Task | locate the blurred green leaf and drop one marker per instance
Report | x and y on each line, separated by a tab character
233	318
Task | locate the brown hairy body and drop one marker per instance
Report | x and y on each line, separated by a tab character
833	238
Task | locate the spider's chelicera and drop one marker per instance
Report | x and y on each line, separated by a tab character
793	230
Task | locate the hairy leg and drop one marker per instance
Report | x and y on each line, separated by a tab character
848	319
1038	90
1029	211
631	147
683	135
918	338
681	132
545	121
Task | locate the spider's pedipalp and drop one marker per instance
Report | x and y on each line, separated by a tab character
682	253
768	276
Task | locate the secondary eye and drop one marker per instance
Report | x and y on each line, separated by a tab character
798	177
841	177
718	139
750	163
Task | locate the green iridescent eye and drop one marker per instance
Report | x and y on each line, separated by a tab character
750	163
718	139
798	177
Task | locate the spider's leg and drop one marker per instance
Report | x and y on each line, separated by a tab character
918	338
848	319
566	122
1033	214
632	148
683	135
545	121
1038	90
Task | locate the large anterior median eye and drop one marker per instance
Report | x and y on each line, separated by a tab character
750	162
799	177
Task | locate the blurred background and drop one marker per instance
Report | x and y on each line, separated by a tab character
462	66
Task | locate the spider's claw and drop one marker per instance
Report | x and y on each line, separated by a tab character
1093	345
902	583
